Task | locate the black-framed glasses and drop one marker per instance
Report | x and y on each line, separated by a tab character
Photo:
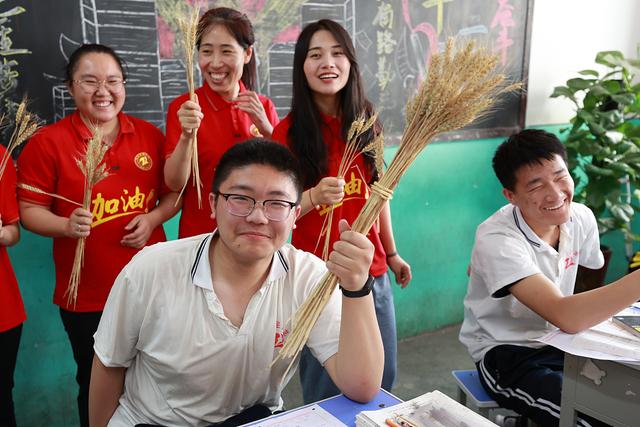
241	205
113	85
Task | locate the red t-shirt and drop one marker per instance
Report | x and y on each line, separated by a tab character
222	127
11	307
135	163
306	235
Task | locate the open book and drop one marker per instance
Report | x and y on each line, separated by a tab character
432	409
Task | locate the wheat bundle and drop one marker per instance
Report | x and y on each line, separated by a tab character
26	124
94	170
462	85
353	148
189	28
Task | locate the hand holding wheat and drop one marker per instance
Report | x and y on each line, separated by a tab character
462	85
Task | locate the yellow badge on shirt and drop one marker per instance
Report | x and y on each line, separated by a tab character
254	130
143	161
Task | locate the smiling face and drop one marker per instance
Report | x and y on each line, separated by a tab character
543	192
326	68
221	60
254	238
100	105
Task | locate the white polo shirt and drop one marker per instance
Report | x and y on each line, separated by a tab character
506	250
187	364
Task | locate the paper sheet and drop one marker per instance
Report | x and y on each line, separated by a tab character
308	416
605	341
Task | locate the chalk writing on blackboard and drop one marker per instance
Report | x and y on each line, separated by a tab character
394	40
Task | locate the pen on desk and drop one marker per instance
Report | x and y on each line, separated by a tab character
390	423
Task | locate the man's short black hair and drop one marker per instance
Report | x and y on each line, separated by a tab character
526	147
258	151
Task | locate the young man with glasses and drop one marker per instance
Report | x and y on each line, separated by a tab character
192	326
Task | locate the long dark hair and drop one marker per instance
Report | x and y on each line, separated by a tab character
239	26
305	135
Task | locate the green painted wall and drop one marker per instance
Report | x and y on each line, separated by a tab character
436	208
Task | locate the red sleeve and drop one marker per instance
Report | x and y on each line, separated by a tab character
37	168
159	141
270	109
280	131
8	196
173	128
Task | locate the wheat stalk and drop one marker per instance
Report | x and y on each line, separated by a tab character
188	26
94	170
26	124
462	85
354	147
39	191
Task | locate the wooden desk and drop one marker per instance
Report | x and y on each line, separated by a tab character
615	401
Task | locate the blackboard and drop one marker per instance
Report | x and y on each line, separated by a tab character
394	40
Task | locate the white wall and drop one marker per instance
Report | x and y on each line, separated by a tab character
565	38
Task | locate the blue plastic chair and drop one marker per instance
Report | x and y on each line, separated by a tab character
469	387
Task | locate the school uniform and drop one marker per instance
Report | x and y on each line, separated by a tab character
12	313
223	126
135	163
498	330
316	383
187	364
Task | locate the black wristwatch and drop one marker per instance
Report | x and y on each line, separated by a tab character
366	289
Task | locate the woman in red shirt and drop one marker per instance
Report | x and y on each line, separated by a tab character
327	97
127	207
228	111
12	313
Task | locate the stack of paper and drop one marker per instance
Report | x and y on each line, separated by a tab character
605	341
432	409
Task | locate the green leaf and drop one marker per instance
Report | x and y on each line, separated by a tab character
562	91
598	170
596	129
589	73
599	90
579	84
610	58
613	86
622	167
625	98
622	211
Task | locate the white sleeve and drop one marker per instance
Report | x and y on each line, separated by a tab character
590	253
501	259
119	328
325	335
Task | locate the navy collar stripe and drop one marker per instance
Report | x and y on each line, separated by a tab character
194	267
515	218
283	261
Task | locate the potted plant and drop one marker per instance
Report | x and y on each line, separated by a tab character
603	142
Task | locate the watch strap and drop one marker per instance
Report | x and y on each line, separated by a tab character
366	289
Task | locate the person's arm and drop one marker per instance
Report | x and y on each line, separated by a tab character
40	220
357	367
329	191
177	167
9	233
105	389
401	269
143	225
575	313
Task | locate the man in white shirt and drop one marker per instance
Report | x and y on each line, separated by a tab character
191	326
522	276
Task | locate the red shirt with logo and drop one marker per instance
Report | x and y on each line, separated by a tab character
306	235
223	126
135	163
11	307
